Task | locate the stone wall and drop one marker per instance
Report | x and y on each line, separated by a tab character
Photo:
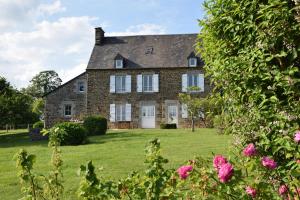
66	94
99	97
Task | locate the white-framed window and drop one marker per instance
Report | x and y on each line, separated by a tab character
193	80
67	110
120	112
192	62
120	84
119	63
81	86
148	83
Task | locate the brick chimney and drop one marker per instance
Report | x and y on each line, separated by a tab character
99	36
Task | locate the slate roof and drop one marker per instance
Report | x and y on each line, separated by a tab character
144	51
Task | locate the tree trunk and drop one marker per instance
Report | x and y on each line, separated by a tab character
6	128
193	124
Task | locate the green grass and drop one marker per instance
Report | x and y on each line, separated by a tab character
119	152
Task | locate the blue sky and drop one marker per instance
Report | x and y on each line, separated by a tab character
38	35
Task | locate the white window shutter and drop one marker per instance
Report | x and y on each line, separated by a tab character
201	82
112	113
112	84
139	83
184	82
128	112
184	111
155	83
128	83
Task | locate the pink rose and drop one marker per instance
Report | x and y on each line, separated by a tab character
225	172
268	162
282	189
219	161
251	191
183	171
297	136
298	161
249	150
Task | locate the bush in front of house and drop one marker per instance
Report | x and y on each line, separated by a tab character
168	126
95	125
39	125
73	134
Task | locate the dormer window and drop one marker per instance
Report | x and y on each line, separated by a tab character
119	62
192	60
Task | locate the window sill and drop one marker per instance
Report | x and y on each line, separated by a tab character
122	92
149	92
193	91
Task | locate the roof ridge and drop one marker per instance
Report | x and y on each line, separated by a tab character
174	34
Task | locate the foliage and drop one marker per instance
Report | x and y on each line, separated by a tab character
35	187
168	126
251	50
73	134
15	107
43	83
39	125
95	125
193	104
38	106
149	185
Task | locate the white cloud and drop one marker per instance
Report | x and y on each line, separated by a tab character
21	14
63	46
29	45
52	8
141	29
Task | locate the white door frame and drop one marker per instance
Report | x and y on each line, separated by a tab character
148	121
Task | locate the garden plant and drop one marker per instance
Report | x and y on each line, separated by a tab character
252	54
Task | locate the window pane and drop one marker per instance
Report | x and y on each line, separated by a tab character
123	83
119	63
123	112
118	113
81	86
68	109
190	80
120	83
147	83
150	82
195	80
192	62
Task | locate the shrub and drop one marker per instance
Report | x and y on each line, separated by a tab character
168	126
73	134
39	125
95	125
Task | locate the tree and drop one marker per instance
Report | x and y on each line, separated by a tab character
38	106
193	105
252	49
15	107
43	83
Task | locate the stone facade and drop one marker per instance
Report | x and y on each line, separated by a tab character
67	94
166	56
99	97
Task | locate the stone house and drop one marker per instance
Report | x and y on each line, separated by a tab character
133	81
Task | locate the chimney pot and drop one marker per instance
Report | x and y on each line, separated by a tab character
99	36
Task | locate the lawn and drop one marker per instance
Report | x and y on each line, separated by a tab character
118	152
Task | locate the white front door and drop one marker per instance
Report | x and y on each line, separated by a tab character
172	114
148	116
